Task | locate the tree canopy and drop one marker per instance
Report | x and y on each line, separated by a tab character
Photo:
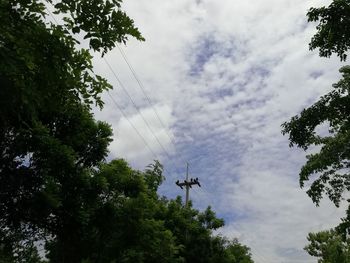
59	197
49	140
331	162
333	29
329	247
325	126
326	123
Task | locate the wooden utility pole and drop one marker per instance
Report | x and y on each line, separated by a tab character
188	184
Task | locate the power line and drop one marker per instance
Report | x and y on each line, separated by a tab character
123	113
258	255
132	125
148	99
143	90
136	130
52	16
136	107
147	124
114	101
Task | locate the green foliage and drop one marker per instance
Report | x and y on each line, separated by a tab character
101	21
116	221
343	228
122	219
326	125
49	140
154	176
329	247
237	253
331	163
333	30
56	188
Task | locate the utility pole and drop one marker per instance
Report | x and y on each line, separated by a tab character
188	184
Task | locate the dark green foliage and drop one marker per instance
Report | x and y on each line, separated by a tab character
49	140
326	125
331	163
56	189
333	30
192	230
343	228
329	247
114	215
101	21
237	253
115	221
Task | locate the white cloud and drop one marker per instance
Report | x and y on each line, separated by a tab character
140	137
224	75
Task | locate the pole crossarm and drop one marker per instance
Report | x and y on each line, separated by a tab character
188	183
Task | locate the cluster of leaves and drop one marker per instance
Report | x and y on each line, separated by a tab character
332	162
329	166
115	215
57	192
49	140
333	30
329	246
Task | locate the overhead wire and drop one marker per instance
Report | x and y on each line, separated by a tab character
136	107
142	88
122	111
131	124
143	118
140	84
51	15
257	255
136	130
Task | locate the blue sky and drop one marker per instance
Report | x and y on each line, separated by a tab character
223	76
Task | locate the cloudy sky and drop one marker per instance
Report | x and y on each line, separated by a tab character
218	78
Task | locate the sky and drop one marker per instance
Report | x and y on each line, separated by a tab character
213	83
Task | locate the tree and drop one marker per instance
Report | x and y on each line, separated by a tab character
49	140
326	124
331	163
329	247
118	221
194	231
124	220
56	188
238	253
333	30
